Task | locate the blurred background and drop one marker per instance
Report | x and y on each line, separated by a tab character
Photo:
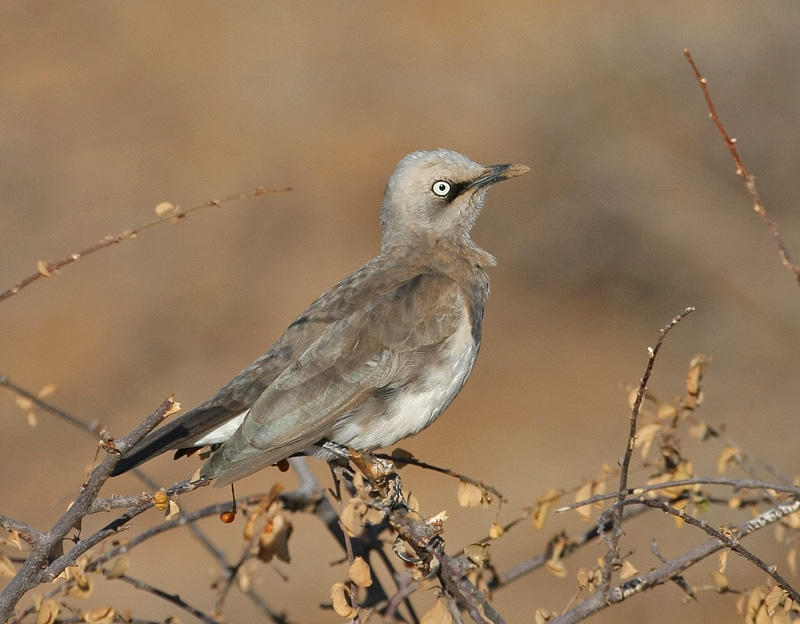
631	212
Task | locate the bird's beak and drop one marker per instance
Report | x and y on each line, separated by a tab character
498	173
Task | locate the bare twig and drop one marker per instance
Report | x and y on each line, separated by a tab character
46	269
749	180
171	598
46	560
612	559
402	459
736	484
668	571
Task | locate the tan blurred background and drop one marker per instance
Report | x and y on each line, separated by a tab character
631	212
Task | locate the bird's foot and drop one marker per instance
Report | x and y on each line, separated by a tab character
381	475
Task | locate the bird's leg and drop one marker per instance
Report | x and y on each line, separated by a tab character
381	475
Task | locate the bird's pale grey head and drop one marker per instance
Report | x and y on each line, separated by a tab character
437	194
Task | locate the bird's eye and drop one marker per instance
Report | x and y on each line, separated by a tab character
441	188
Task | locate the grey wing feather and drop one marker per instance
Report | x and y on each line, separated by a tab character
377	348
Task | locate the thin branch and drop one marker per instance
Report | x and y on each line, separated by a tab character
616	529
670	570
749	180
46	269
171	598
736	484
730	541
401	460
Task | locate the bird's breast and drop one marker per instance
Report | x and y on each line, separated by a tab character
412	407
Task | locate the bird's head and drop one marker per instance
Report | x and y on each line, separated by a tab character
437	194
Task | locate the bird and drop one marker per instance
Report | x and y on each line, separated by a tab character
375	359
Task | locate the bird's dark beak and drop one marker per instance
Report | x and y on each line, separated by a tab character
498	173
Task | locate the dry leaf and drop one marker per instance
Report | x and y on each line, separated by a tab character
6	567
360	573
723	560
164	209
243	581
42	267
584	492
439	614
82	588
645	437
101	615
15	539
469	495
174	510
720	581
496	531
120	567
274	540
543	615
774	600
727	456
543	506
628	571
342	602
47	612
477	554
352	516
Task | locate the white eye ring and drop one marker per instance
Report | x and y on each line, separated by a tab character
441	188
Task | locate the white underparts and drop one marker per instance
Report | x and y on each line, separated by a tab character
223	432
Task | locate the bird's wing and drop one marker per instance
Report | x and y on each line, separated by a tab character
378	347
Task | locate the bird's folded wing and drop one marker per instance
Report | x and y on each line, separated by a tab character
377	348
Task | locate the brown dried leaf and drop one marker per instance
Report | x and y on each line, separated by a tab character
47	612
174	510
628	571
584	492
754	601
120	567
360	573
6	567
15	539
723	560
342	602
243	580
496	531
720	581
477	554
774	600
47	390
274	540
699	431
352	516
646	436
469	494
543	615
101	615
439	614
543	506
726	457
24	403
83	586
164	209
42	267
